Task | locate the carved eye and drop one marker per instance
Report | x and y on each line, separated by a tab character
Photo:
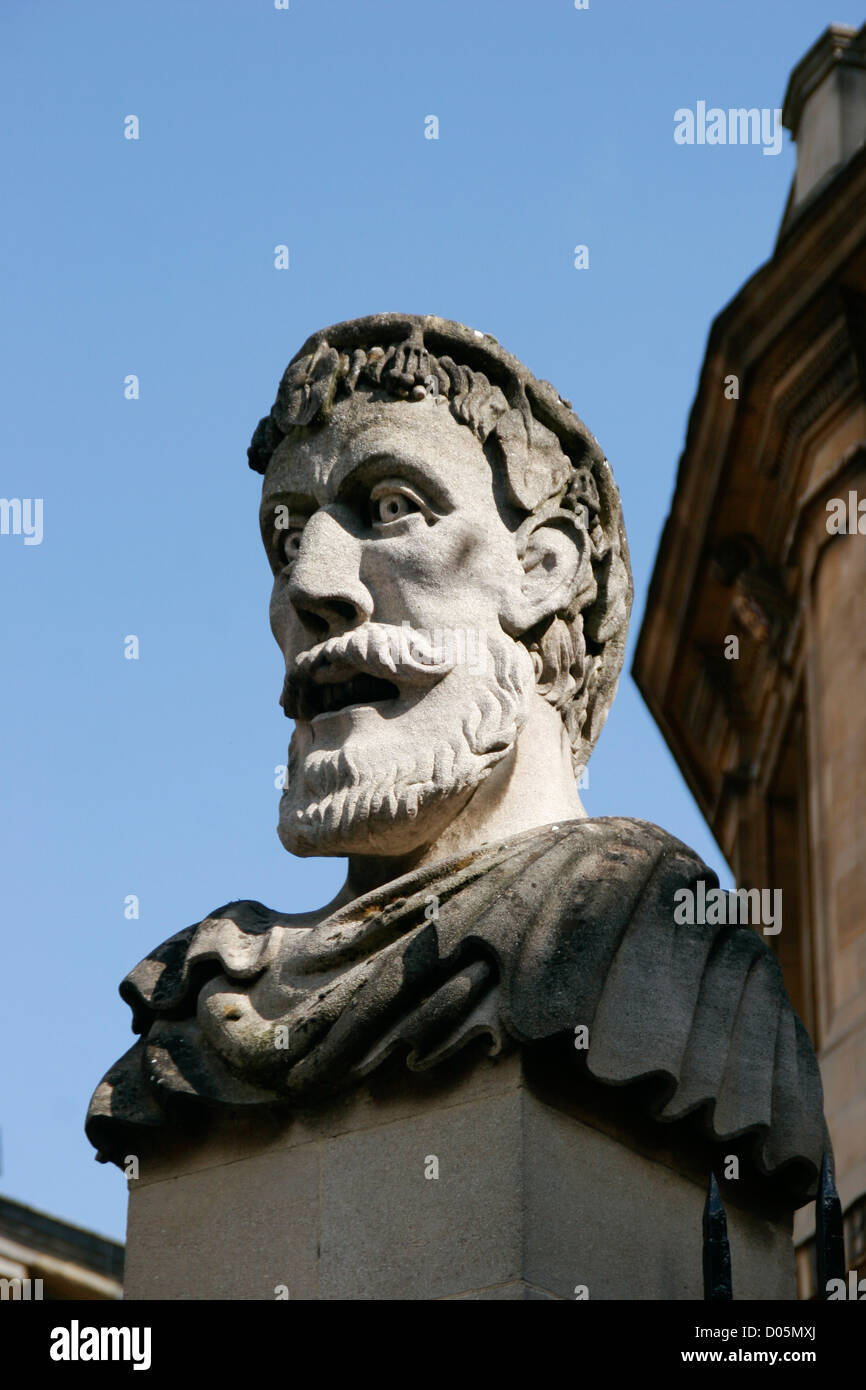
389	503
391	506
289	545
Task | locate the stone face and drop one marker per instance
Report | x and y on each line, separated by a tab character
450	568
451	591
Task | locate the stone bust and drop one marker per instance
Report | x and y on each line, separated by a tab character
451	592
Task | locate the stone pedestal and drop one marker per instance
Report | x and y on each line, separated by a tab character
531	1201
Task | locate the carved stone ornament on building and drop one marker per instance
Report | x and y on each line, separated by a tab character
451	592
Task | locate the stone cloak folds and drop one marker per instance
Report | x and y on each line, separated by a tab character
524	940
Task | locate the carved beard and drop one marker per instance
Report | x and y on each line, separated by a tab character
392	790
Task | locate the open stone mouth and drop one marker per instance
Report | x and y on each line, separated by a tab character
362	689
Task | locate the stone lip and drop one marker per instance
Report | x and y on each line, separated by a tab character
532	937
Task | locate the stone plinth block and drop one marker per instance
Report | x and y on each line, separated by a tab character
486	1182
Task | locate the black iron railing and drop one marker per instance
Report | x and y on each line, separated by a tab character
829	1238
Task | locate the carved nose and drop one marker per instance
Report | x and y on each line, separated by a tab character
326	590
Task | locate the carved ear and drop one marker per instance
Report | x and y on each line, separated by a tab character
557	573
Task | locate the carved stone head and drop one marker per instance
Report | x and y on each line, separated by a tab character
448	554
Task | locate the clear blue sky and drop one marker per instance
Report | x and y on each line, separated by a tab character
155	257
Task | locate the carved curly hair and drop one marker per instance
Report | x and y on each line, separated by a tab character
554	470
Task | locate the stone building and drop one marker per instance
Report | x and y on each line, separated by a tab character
44	1258
752	651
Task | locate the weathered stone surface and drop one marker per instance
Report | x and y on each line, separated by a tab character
230	1232
530	1202
554	929
451	596
825	108
752	655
